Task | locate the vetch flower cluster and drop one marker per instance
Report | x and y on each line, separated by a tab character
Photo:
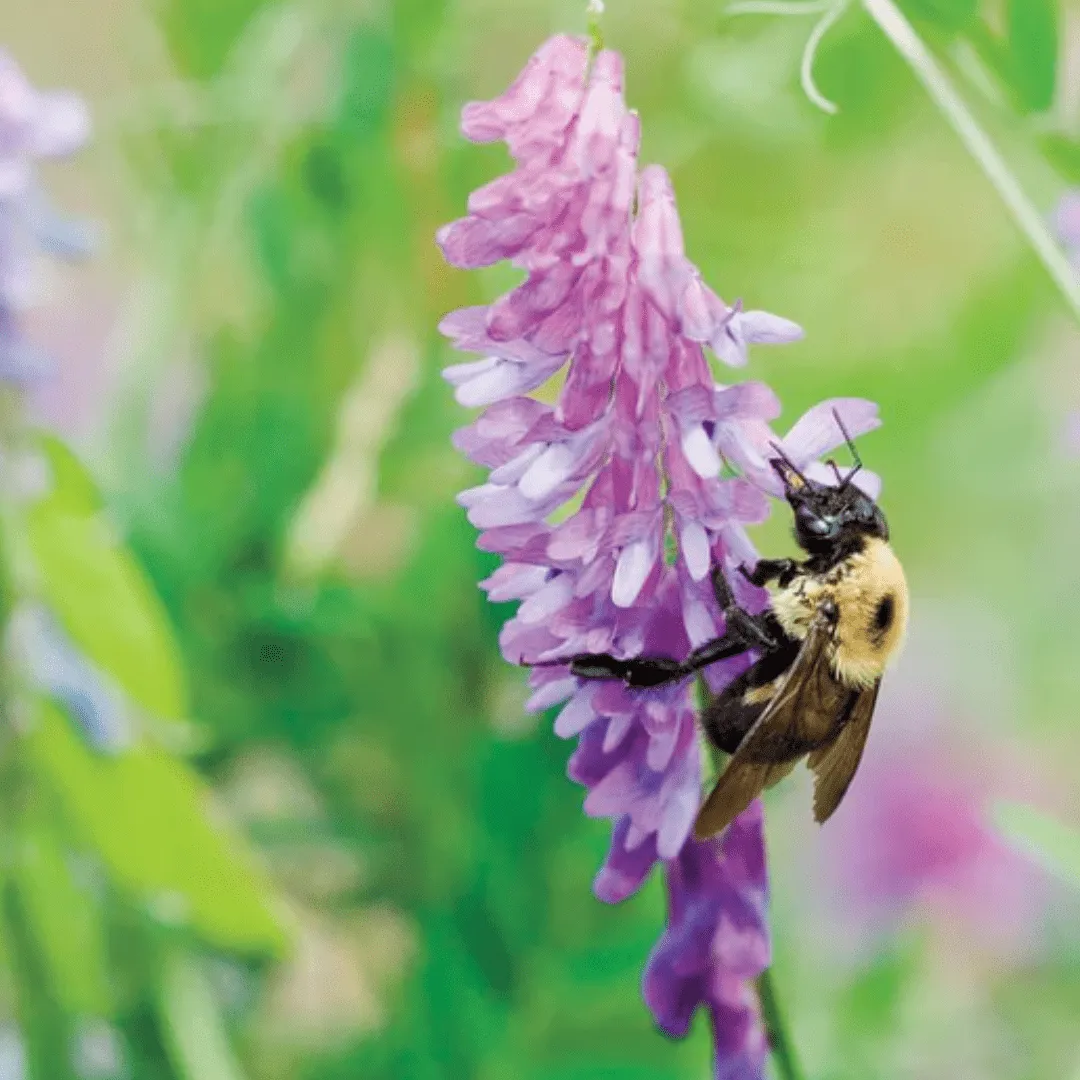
34	125
609	507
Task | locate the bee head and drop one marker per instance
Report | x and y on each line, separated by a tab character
830	520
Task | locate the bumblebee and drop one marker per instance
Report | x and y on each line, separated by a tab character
833	623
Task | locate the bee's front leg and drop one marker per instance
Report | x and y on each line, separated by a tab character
751	630
766	570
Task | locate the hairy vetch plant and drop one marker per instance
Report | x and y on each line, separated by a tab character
610	506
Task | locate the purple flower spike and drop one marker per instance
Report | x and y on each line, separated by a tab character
636	438
33	126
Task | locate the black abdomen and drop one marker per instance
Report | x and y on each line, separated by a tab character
729	716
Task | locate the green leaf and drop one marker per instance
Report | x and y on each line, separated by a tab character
63	917
868	1006
367	76
1032	27
68	476
195	1035
1051	844
1063	154
949	15
148	818
99	593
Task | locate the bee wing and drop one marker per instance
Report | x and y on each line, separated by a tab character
802	714
834	765
780	772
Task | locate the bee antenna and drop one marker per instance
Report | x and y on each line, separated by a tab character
851	446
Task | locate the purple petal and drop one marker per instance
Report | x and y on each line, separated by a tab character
626	867
695	550
540	102
551	693
749	399
762	328
1067	219
632	569
513	581
61	125
576	716
700	452
816	432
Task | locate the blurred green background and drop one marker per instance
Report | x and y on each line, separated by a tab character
338	848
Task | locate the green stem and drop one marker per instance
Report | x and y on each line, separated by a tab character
596	35
192	1026
952	106
783	1054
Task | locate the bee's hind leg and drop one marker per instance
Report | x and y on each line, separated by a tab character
641	671
743	632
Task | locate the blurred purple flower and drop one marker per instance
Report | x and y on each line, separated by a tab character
97	1051
33	125
1071	433
1067	223
54	666
639	429
12	1052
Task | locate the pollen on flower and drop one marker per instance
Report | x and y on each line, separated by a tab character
636	438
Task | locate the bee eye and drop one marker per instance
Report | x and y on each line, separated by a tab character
814	524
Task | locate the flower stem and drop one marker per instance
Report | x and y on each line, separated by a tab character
594	10
783	1055
952	106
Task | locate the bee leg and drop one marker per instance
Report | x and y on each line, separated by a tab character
644	671
752	630
641	671
721	589
766	570
733	643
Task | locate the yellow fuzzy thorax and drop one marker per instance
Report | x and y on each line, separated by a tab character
858	586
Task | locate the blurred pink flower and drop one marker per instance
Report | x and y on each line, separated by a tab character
915	832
